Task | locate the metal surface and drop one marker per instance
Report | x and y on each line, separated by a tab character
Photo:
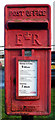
28	28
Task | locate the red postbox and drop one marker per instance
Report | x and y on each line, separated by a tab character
28	59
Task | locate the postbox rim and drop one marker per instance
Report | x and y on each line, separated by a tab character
27	5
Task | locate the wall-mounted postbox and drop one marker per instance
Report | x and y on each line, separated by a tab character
28	59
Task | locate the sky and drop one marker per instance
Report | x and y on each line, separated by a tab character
4	2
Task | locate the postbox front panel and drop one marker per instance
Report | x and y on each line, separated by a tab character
27	59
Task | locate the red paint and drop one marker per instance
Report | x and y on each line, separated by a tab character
28	27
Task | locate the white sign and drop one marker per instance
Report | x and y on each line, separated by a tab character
27	78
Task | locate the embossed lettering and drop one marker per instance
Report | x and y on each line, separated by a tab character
28	108
28	13
27	36
16	13
35	40
19	39
36	13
